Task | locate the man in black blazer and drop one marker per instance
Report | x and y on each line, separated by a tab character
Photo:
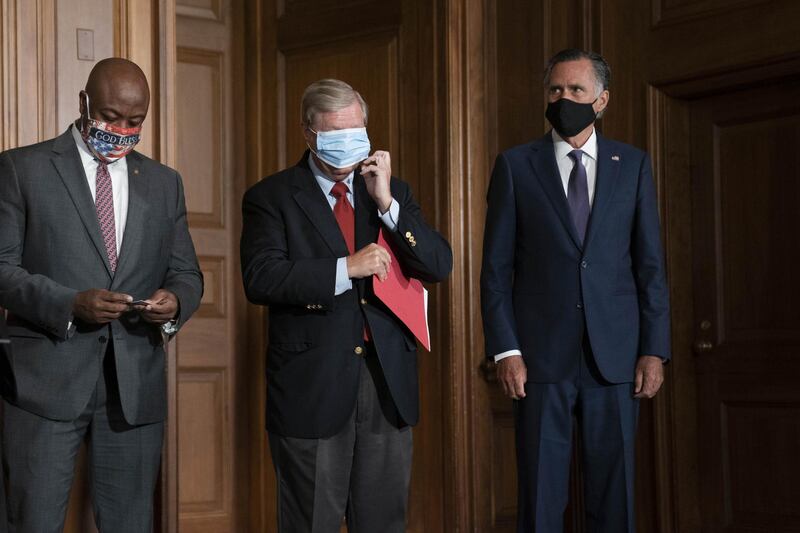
341	368
96	266
574	300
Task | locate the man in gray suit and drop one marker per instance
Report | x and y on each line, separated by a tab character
96	267
5	382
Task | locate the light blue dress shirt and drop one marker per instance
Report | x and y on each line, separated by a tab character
389	219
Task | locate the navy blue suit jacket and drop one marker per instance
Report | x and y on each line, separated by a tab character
540	284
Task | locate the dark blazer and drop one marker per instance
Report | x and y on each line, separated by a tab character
290	245
51	247
8	387
538	282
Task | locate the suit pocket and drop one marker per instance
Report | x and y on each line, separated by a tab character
300	346
22	332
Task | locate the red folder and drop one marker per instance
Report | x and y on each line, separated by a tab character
405	297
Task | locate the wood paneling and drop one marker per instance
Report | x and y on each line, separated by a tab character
215	277
201	139
204	442
747	330
677	11
389	52
347	60
211	405
203	9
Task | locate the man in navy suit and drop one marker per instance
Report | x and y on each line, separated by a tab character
575	301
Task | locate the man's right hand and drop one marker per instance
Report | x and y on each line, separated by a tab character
512	375
99	306
371	259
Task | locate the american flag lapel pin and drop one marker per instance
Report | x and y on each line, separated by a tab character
615	158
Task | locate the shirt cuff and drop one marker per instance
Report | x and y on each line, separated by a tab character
392	216
503	355
343	283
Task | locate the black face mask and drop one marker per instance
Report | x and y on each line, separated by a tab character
569	118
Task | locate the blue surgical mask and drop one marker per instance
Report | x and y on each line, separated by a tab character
342	148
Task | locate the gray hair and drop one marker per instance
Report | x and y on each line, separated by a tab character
325	96
602	72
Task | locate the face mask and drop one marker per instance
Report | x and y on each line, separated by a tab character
569	118
342	148
107	142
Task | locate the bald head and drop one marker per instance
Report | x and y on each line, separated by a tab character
118	93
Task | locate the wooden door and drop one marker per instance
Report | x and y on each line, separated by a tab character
210	425
387	51
745	176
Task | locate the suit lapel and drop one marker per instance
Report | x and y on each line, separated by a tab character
543	161
67	162
138	190
608	164
312	201
367	222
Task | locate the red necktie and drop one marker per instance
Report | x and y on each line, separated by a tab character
104	204
345	216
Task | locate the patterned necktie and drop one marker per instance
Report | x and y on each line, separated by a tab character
345	216
104	204
578	194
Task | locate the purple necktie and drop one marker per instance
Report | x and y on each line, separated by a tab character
578	194
104	203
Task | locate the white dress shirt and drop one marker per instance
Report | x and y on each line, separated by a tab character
565	166
565	162
118	170
389	219
119	183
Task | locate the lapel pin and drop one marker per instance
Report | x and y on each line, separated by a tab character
136	170
615	158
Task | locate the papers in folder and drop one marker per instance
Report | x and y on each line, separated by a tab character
405	297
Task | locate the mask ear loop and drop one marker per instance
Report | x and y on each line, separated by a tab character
308	145
85	119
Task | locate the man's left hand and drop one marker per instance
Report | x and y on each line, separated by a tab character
161	307
649	376
377	172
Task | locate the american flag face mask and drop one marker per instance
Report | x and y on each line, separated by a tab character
107	142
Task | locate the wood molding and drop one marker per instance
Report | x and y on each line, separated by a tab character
663	407
8	55
297	28
121	45
467	130
46	59
148	38
663	14
262	158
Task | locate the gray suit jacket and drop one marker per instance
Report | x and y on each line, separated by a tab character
51	247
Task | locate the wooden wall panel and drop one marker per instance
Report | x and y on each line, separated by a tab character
757	437
215	275
348	60
203	478
387	51
211	403
201	140
94	15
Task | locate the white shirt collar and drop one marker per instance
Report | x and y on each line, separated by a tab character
325	183
563	148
